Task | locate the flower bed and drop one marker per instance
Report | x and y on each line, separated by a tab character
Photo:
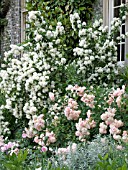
53	101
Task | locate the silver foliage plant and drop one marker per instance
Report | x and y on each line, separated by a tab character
86	155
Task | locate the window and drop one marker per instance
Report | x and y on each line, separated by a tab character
111	9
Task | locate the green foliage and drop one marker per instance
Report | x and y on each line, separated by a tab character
3	22
124	74
4	7
25	160
11	162
59	9
114	159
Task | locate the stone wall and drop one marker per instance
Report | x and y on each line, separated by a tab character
10	34
98	9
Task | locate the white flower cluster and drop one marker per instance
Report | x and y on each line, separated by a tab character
32	15
3	124
27	80
15	50
75	18
115	24
97	52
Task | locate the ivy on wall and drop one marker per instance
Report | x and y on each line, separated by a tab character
4	7
56	8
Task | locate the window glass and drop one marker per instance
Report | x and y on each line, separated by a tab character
123	52
123	1
121	45
116	12
117	2
118	52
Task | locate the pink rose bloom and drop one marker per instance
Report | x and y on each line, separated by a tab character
110	100
52	139
125	133
44	149
119	147
102	131
67	110
38	126
89	113
80	91
51	96
114	130
24	135
77	133
103	128
109	121
72	103
16	151
36	139
29	133
111	111
4	148
10	145
118	101
74	147
119	91
125	136
92	124
118	123
104	116
116	137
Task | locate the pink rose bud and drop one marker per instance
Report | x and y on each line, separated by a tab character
24	135
44	149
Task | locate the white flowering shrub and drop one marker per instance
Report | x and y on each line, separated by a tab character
28	79
34	73
97	50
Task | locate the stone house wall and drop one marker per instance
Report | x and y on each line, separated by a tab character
11	34
98	9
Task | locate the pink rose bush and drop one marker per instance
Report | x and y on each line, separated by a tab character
109	116
83	127
38	133
80	111
10	147
70	111
74	118
116	94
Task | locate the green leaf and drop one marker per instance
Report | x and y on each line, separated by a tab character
124	167
105	157
82	8
100	157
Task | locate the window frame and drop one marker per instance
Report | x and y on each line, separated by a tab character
23	20
107	18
